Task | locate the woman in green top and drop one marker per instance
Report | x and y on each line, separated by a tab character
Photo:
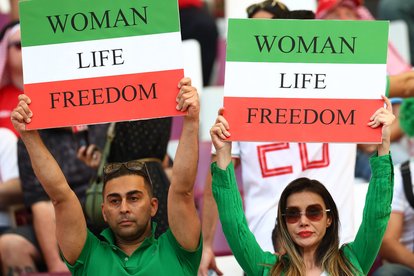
308	221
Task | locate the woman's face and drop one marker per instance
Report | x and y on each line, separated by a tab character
309	229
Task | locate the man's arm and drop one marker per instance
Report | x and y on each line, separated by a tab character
392	249
10	193
182	213
70	222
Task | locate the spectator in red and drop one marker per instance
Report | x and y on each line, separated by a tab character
11	72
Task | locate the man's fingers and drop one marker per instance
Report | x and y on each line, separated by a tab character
16	116
81	153
25	98
91	150
23	115
185	102
26	108
184	81
187	99
184	90
18	121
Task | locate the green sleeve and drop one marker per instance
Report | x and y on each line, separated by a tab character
376	212
78	268
242	242
190	260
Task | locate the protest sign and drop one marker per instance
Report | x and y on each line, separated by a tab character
87	62
304	80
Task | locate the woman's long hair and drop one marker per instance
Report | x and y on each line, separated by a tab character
327	255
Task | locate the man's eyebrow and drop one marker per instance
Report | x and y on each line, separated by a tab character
113	195
128	193
134	192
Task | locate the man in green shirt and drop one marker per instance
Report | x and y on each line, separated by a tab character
129	247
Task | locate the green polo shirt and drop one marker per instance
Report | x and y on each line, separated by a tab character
162	256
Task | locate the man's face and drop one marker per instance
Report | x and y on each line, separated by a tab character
127	207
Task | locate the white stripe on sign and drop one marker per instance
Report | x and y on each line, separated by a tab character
76	60
305	80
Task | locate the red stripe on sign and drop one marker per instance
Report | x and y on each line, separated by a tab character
302	120
104	99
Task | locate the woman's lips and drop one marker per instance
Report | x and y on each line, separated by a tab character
305	234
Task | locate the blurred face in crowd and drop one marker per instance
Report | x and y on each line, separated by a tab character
307	231
342	12
128	207
14	59
262	14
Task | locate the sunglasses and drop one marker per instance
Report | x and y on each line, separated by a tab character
313	213
265	5
133	166
15	44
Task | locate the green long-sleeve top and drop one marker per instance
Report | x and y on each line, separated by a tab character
361	252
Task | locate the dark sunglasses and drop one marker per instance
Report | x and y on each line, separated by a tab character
15	44
313	212
133	166
265	5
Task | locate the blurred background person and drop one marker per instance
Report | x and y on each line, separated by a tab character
62	143
197	23
399	10
11	72
10	190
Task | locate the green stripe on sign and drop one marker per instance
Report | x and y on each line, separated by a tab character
50	21
307	41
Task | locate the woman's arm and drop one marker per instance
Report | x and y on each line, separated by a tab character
377	208
242	242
